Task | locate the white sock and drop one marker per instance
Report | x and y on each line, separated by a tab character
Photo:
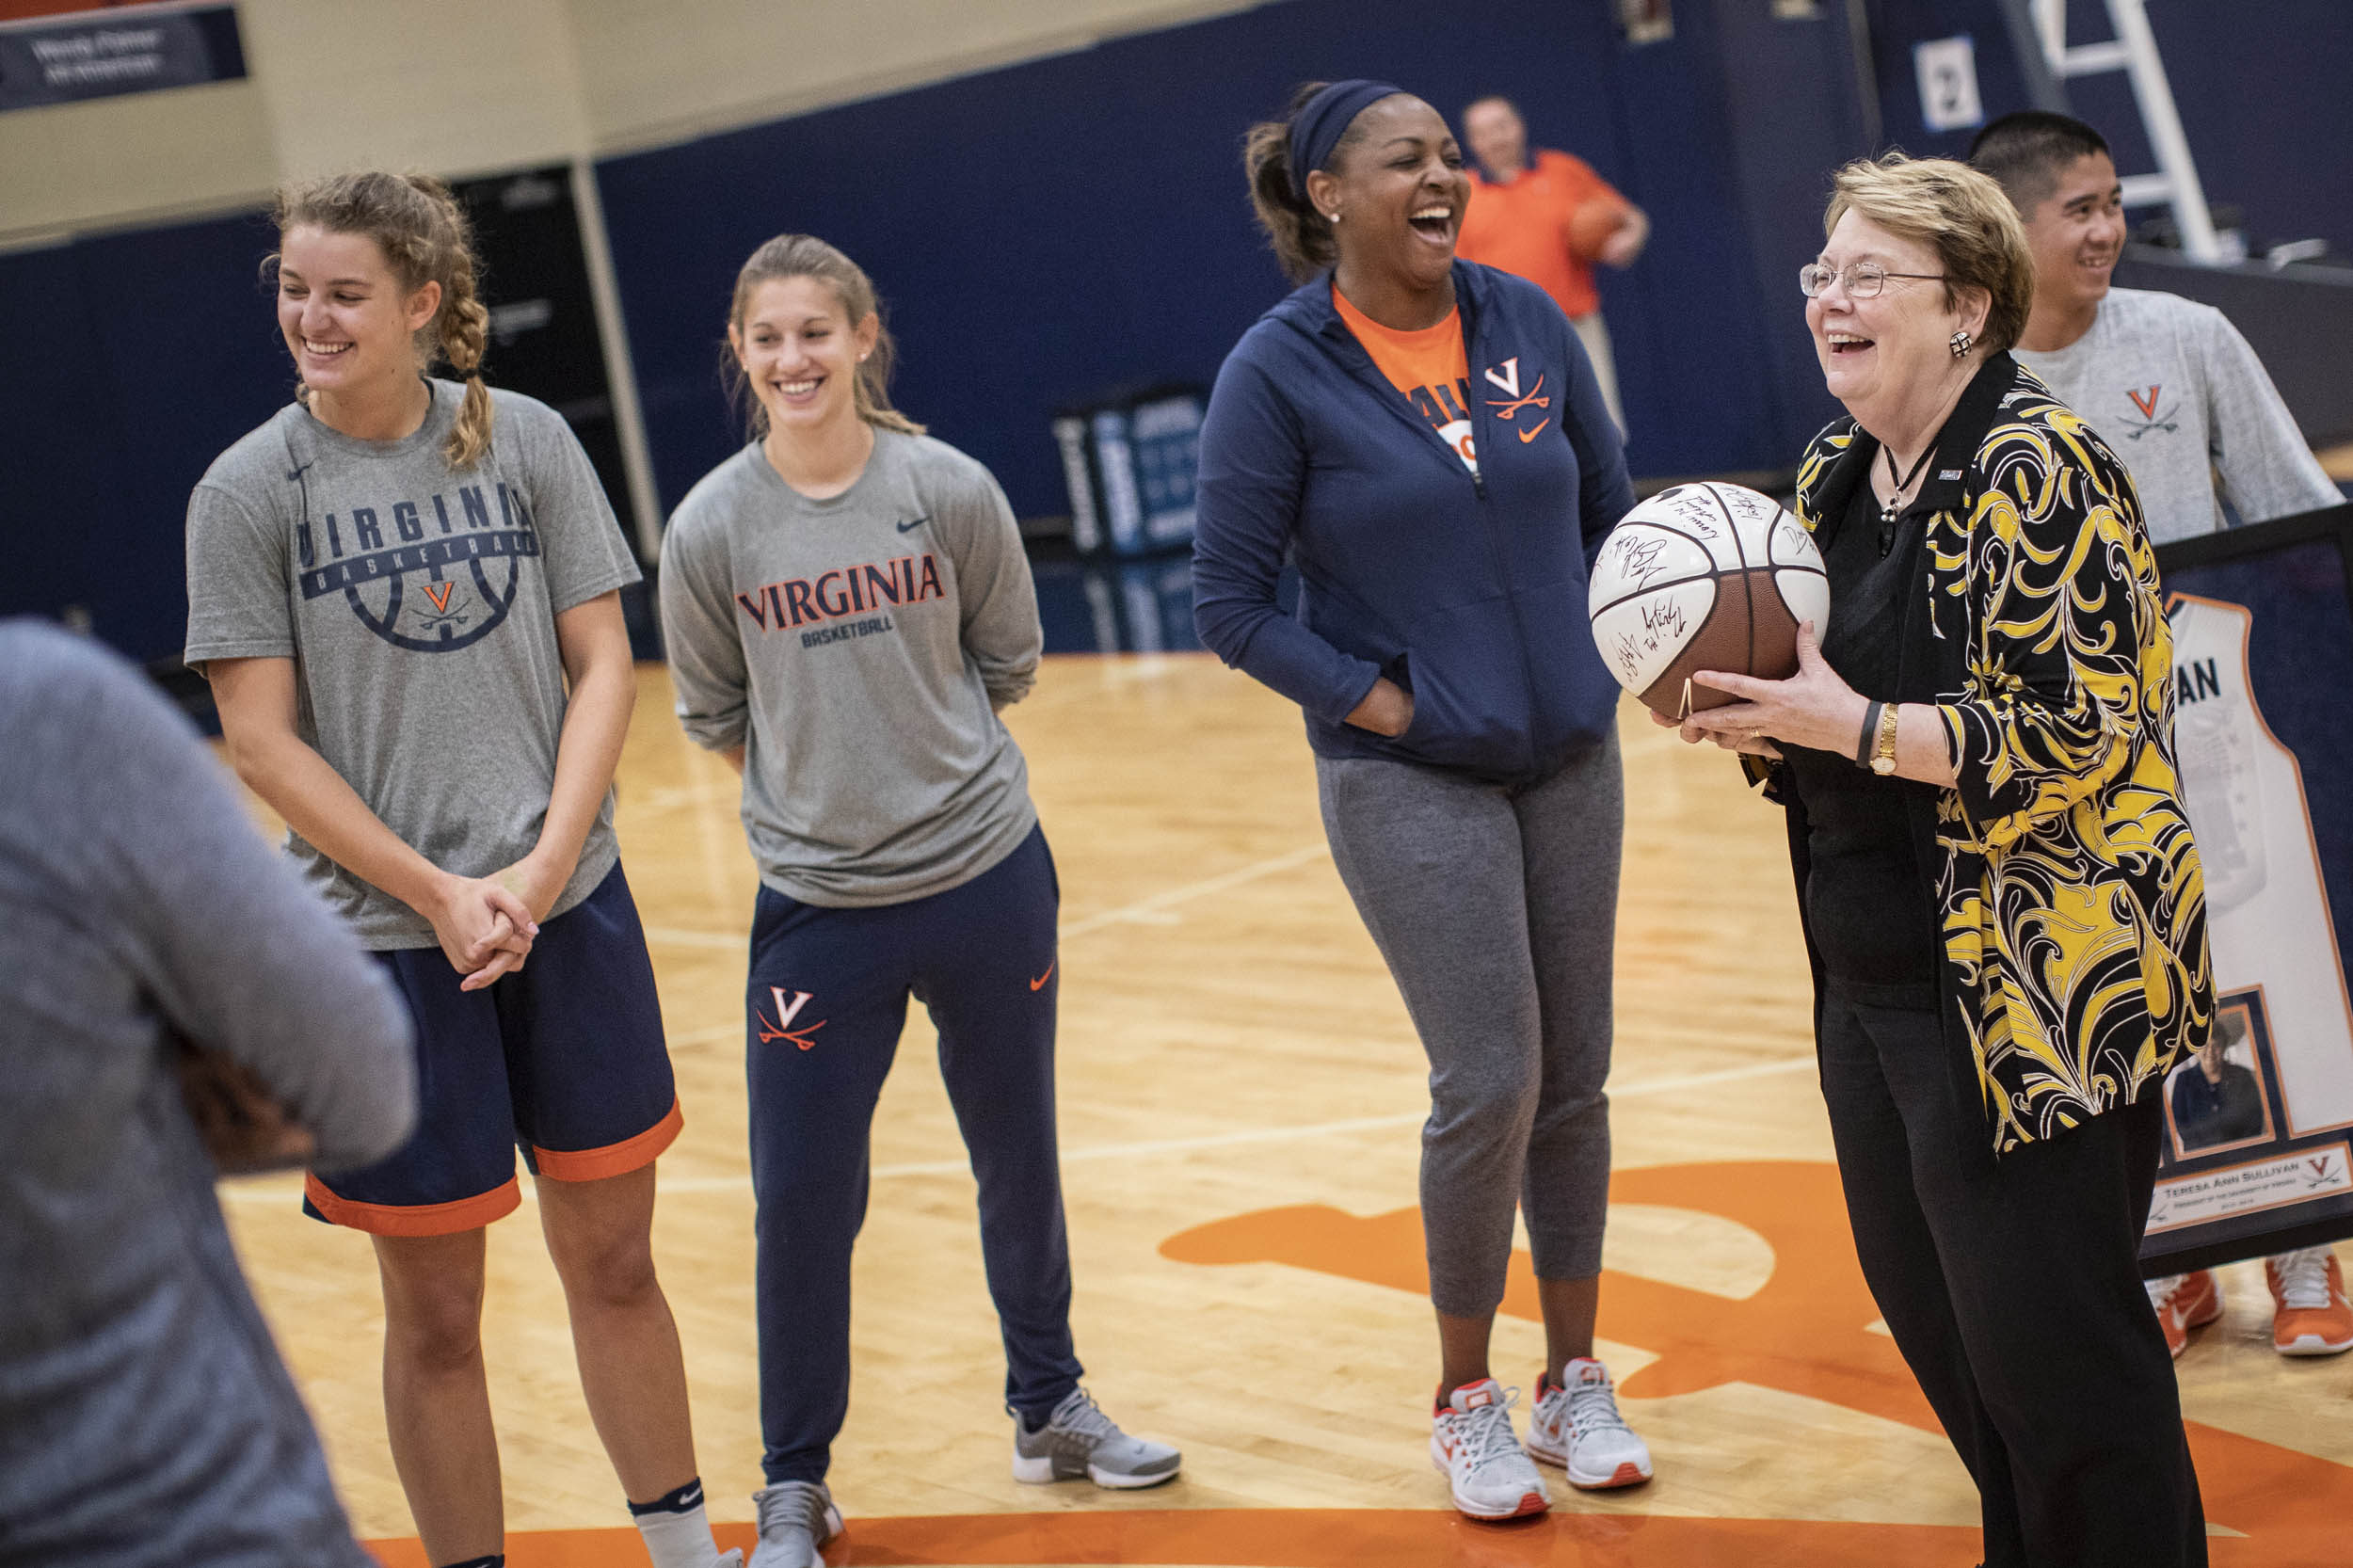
675	1529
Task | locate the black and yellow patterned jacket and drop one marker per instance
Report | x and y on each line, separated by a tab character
2066	889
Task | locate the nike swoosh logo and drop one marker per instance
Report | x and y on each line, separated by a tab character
1039	984
911	527
1527	436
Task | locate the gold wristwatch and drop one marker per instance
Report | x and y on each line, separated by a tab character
1883	749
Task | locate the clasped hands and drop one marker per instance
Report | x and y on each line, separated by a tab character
486	924
1813	707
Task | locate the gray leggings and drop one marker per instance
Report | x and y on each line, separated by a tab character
1496	910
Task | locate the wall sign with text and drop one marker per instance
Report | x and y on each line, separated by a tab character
75	51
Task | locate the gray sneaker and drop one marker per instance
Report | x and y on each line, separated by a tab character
796	1519
1080	1440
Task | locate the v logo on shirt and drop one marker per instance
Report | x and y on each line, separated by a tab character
2148	405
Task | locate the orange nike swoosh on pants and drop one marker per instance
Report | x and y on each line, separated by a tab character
1039	984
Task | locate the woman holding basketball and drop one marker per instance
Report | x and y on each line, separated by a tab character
1426	440
847	606
2002	904
405	593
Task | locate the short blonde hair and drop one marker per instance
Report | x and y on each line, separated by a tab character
1960	214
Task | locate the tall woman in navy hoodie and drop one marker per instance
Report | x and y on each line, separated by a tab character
1426	440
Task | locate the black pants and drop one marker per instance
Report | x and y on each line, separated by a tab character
2014	1294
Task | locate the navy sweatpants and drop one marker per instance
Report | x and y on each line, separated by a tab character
829	998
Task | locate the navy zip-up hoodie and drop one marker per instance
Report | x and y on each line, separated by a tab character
1469	591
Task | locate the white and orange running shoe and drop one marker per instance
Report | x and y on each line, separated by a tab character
2185	1302
1472	1444
2310	1315
1576	1426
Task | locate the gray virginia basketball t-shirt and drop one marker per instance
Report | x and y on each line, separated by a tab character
419	605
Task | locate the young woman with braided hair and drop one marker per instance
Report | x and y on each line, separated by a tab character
405	592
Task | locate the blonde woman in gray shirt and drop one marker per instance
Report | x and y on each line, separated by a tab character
405	593
847	606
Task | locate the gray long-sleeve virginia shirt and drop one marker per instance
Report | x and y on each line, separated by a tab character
145	1418
858	648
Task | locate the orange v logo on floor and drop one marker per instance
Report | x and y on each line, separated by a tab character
1803	1331
1039	984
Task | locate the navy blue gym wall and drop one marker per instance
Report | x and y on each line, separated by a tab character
1044	233
132	360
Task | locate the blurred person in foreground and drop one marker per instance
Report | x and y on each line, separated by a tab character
2003	906
1547	216
2196	420
156	960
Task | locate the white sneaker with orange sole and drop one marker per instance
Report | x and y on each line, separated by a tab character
1472	1444
2309	1314
1576	1426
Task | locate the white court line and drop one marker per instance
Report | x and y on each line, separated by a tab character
1142	910
275	1191
1146	911
1316	1130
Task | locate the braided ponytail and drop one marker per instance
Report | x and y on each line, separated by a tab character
426	237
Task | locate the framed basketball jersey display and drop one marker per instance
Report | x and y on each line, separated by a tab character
2258	1150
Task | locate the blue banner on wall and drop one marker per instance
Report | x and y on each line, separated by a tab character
106	51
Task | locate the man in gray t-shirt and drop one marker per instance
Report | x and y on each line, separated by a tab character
2168	382
145	1418
421	609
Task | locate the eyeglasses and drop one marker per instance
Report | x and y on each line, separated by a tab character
1864	279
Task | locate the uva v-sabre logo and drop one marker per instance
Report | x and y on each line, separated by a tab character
780	1027
2151	419
374	557
1505	378
852	591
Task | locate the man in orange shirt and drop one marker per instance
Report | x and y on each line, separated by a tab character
1548	219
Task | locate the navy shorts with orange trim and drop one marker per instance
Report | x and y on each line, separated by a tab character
563	1058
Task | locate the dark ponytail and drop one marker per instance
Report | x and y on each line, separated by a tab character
1302	237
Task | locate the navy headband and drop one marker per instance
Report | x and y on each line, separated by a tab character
1324	119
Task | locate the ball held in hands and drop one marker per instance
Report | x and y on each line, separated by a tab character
1704	577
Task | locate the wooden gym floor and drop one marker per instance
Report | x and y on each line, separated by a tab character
1239	1097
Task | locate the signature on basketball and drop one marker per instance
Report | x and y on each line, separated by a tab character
1637	558
1695	512
1662	626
